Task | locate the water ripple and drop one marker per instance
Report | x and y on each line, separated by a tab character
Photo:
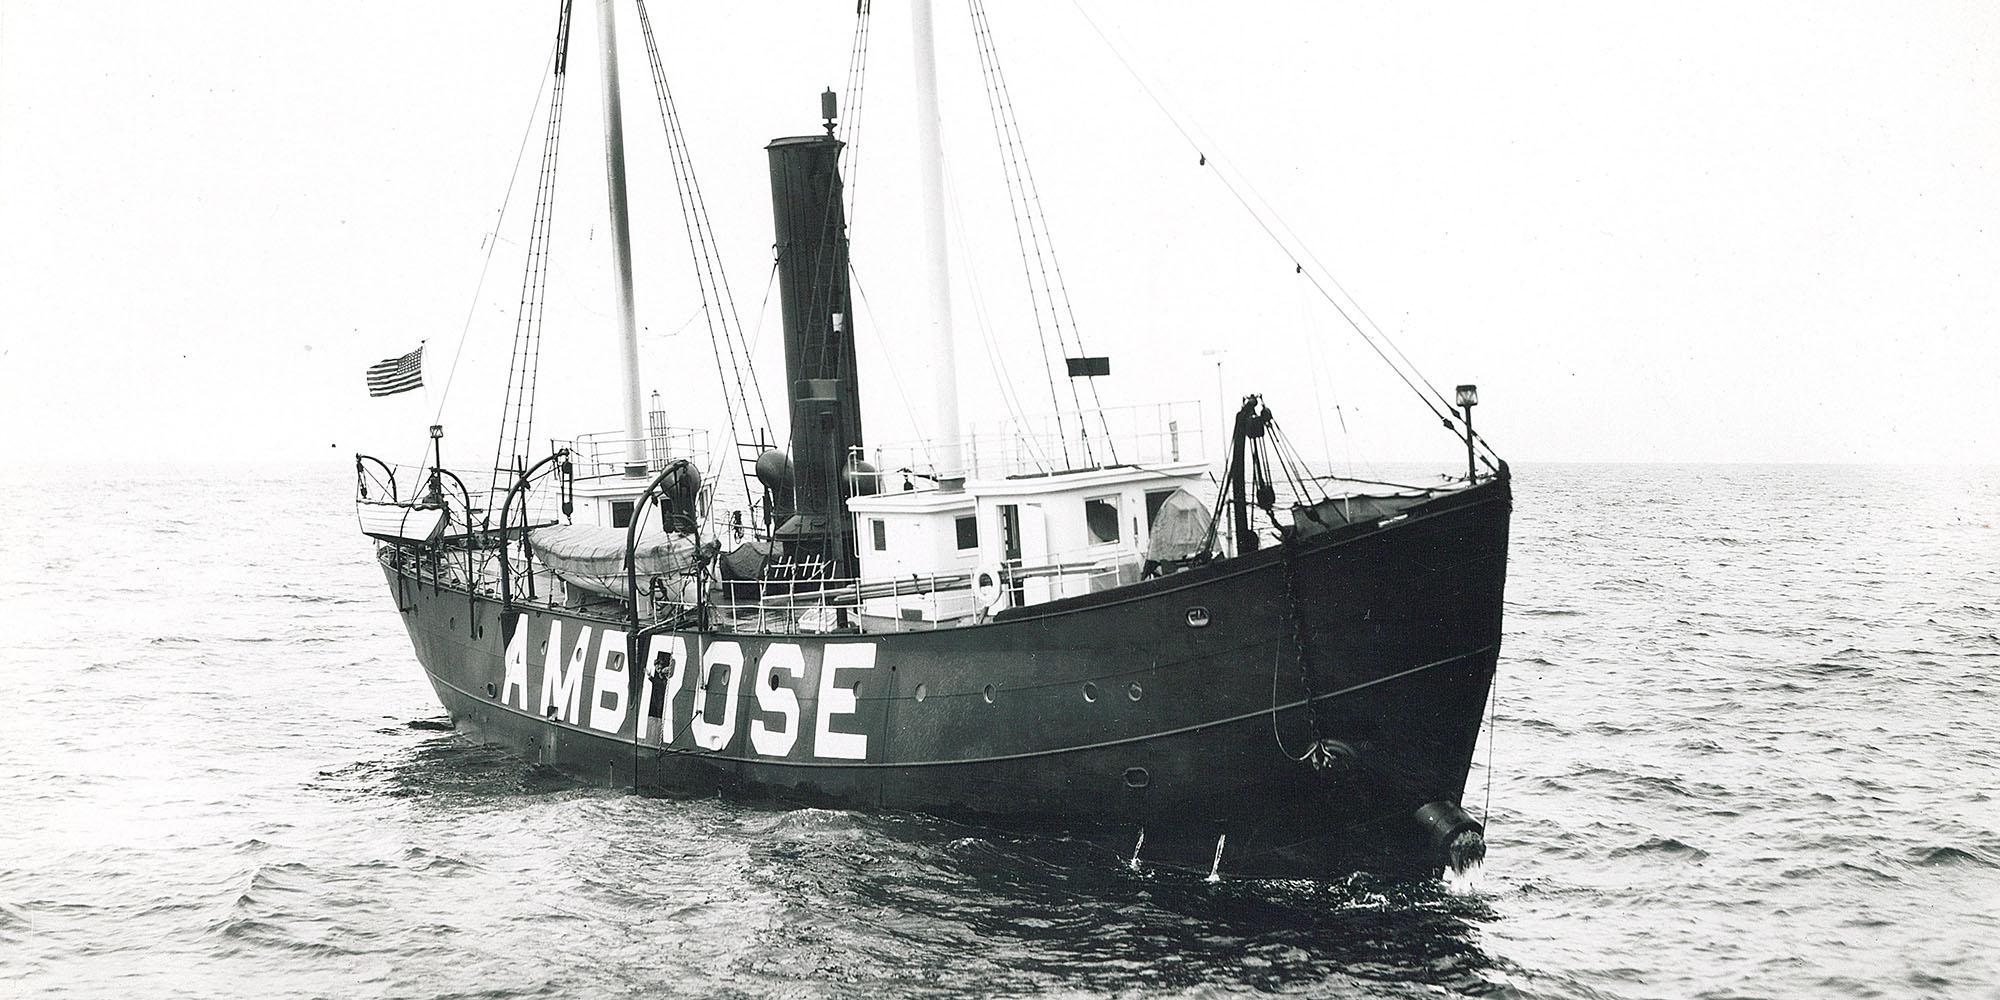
1744	748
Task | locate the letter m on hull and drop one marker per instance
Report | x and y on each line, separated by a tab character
562	689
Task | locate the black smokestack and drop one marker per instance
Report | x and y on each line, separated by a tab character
822	391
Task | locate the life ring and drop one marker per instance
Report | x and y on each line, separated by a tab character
987	589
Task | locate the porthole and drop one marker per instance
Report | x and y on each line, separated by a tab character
921	692
490	692
1089	691
545	646
1134	691
453	625
774	680
987	694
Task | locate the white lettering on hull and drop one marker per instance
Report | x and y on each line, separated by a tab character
514	690
835	700
565	691
674	649
562	690
708	734
775	698
596	666
610	682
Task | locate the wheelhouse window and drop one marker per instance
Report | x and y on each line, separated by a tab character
1100	518
878	533
621	513
968	532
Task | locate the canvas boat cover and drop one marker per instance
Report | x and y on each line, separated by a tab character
1333	512
1180	529
593	557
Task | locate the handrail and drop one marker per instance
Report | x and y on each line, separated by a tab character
603	452
855	590
506	508
360	471
640	508
437	479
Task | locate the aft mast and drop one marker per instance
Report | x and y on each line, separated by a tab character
946	455
621	242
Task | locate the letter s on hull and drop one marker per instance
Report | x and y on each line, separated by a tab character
835	700
775	698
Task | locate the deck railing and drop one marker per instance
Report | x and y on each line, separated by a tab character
603	453
904	603
469	555
1151	434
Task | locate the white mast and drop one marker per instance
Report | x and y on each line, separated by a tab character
621	242
937	270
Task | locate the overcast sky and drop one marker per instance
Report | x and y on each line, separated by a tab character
1689	232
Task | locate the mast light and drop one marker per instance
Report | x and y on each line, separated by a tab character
1468	397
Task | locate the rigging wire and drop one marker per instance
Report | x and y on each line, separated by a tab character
853	94
701	233
821	349
995	357
518	406
1061	291
826	351
1411	378
894	379
1298	473
716	460
1004	136
492	240
718	300
1312	357
1340	415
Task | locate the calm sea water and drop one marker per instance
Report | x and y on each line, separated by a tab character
1748	745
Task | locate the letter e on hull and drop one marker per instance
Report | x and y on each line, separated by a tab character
835	700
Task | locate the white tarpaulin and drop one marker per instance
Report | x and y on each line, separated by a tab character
593	558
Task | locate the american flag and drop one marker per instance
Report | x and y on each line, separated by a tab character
393	375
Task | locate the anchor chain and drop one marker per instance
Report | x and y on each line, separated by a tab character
1323	753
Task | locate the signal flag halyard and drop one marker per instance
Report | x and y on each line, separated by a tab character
393	375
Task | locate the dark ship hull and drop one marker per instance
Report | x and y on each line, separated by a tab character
1178	709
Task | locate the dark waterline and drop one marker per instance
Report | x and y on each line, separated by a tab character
1746	747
